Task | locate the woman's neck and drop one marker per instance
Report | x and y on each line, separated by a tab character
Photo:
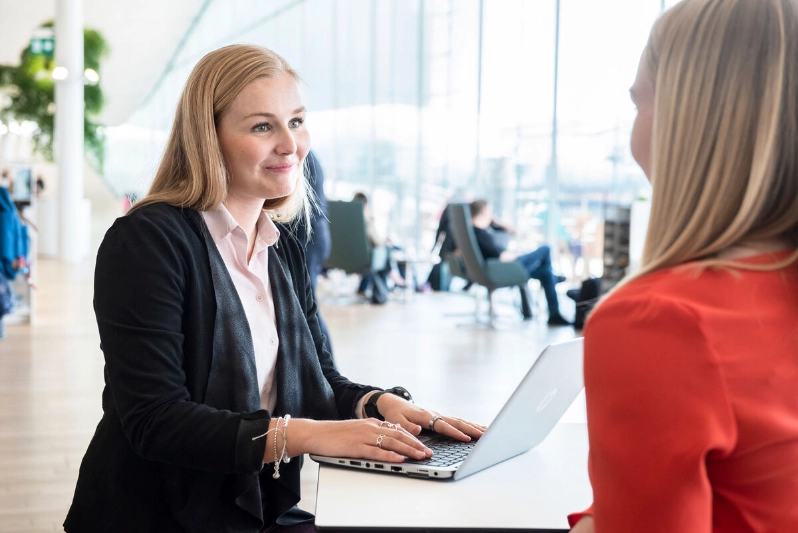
246	214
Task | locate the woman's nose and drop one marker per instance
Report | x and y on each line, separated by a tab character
287	143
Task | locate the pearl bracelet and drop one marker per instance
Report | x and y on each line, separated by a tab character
285	457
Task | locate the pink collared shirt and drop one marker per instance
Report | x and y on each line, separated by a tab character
251	281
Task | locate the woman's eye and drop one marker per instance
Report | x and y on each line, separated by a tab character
295	123
263	126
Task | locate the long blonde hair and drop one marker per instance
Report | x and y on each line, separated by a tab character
724	164
192	172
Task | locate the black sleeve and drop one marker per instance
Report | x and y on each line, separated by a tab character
487	244
143	280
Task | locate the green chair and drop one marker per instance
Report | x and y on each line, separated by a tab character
492	273
351	249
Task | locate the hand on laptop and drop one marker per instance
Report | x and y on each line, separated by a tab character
414	418
362	439
585	525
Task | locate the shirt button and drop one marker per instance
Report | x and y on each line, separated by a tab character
259	297
272	341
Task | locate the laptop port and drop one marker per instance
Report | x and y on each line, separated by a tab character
379	466
368	465
396	469
354	463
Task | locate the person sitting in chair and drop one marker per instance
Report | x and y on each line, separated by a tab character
398	278
537	263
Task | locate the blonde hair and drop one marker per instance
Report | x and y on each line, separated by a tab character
192	172
724	166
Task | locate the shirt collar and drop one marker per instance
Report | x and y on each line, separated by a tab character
221	223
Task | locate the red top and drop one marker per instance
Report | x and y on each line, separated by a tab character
691	380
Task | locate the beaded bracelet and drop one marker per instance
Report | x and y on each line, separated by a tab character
283	457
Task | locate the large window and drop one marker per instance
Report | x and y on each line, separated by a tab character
418	102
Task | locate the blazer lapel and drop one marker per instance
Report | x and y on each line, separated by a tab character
233	379
298	368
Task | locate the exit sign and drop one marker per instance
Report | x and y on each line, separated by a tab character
42	43
42	46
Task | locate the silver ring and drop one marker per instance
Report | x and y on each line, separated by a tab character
432	422
379	440
386	424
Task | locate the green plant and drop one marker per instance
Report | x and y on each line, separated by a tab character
29	94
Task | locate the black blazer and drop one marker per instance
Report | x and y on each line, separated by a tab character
166	457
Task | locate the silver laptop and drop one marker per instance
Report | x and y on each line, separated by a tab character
535	407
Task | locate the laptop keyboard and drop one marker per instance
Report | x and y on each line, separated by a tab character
446	452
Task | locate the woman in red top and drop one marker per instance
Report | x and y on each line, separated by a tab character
691	366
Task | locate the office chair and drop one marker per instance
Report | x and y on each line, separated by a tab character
492	273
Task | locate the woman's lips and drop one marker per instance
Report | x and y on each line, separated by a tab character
281	168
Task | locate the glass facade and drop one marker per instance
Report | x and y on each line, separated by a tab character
418	102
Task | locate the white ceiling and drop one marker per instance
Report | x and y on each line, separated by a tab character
142	36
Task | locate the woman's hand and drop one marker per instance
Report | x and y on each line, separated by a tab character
414	418
585	525
359	439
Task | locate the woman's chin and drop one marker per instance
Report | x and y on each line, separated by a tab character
273	193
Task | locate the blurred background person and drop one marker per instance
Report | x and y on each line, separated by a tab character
394	270
13	252
318	243
537	263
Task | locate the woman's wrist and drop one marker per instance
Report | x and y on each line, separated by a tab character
298	436
371	407
362	403
386	402
284	439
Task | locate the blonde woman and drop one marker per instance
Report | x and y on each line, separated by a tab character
691	367
216	372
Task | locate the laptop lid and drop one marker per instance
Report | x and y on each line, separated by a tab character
544	395
534	408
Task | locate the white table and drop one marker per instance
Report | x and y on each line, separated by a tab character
534	491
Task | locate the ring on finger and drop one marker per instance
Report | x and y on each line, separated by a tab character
386	424
379	440
433	420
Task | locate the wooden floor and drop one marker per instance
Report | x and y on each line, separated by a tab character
51	377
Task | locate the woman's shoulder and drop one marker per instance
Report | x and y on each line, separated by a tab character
698	290
161	216
652	297
155	225
159	211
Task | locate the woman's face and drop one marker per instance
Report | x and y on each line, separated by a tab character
642	93
263	139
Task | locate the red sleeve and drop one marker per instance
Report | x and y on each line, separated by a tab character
656	408
573	518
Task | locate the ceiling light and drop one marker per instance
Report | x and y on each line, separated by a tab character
27	127
60	73
91	76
